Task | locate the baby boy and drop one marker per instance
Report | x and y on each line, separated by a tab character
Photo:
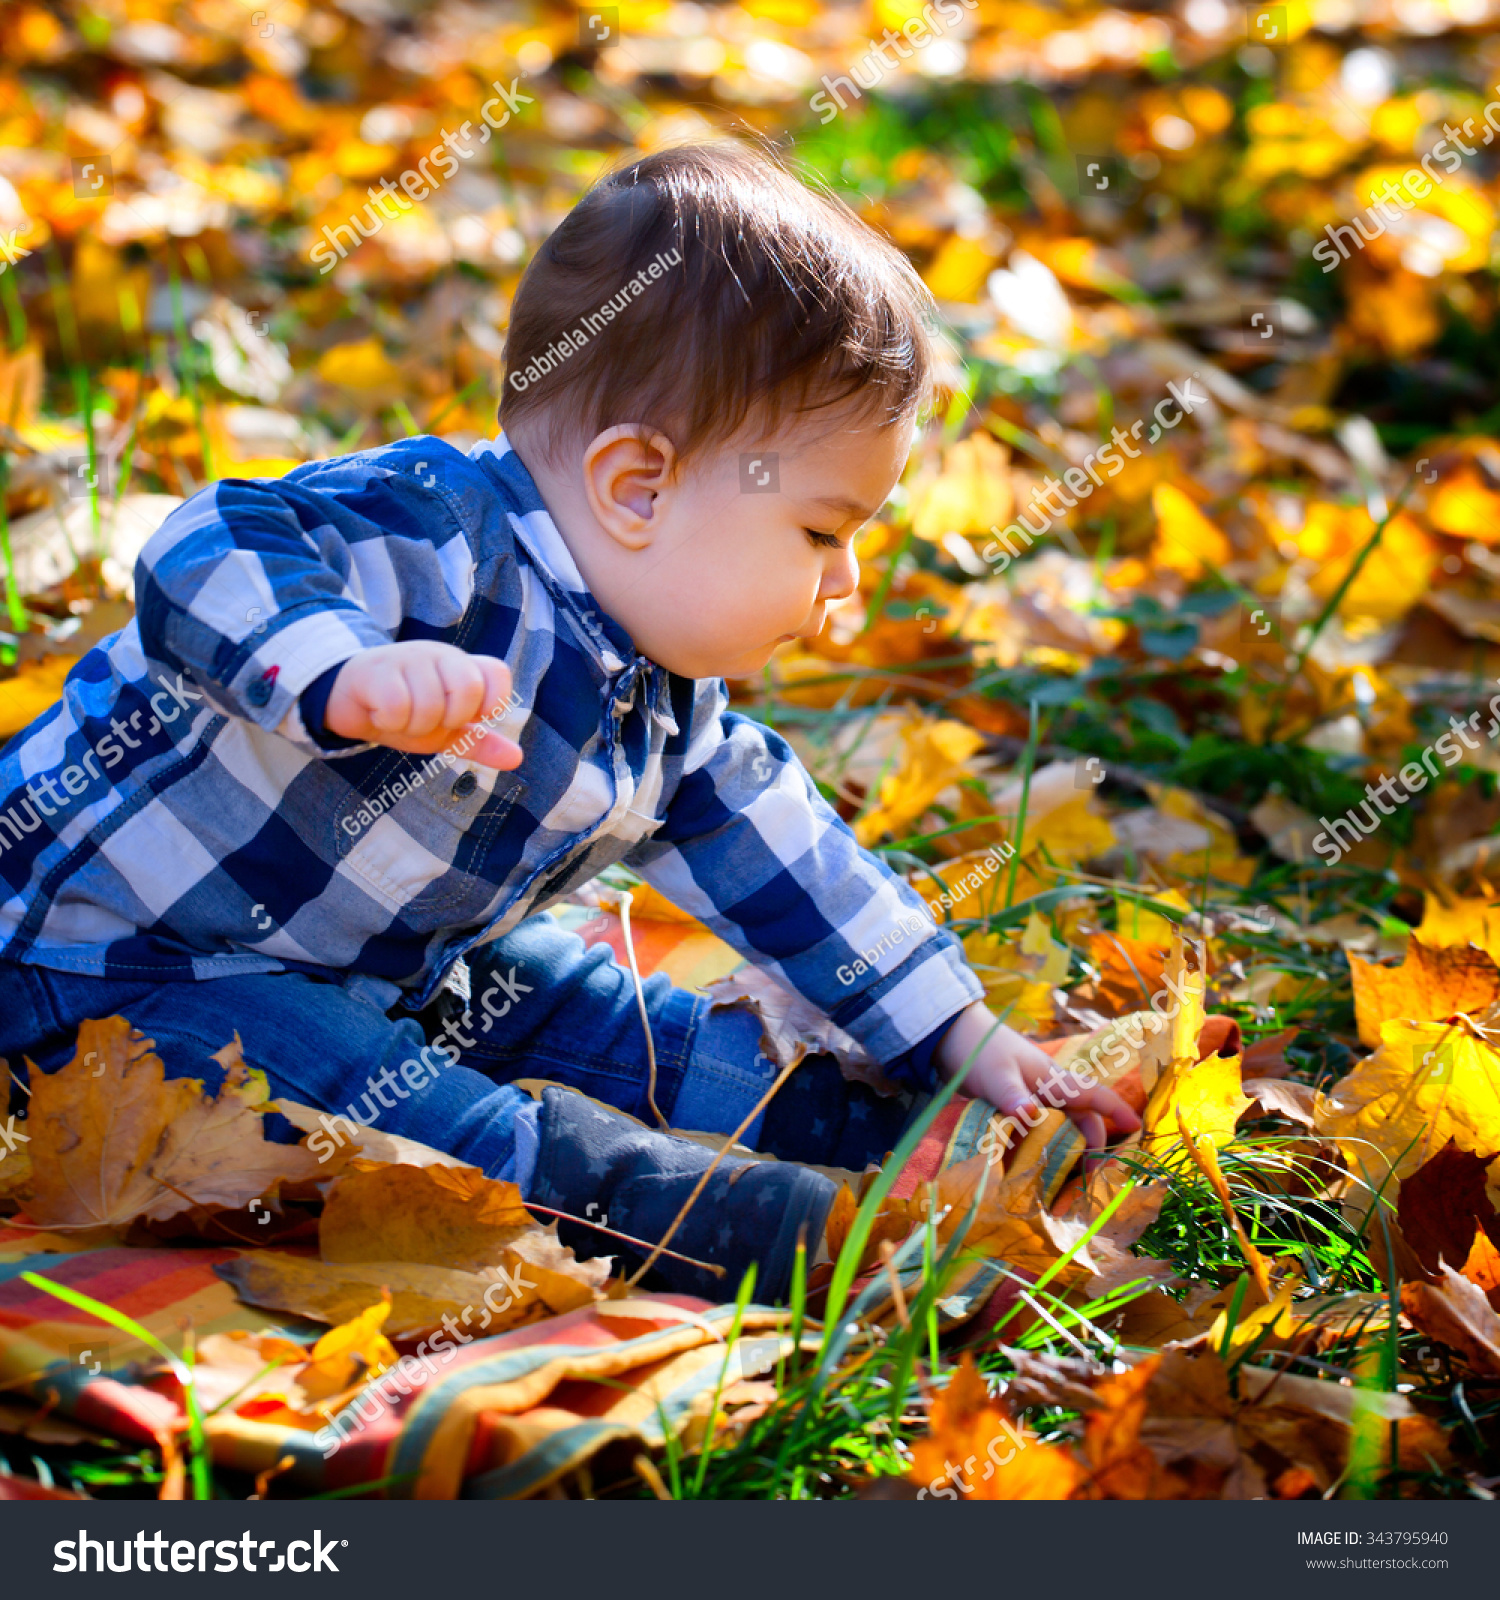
372	718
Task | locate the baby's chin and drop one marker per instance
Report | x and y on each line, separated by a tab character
710	665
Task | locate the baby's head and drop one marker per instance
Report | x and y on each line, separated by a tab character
714	373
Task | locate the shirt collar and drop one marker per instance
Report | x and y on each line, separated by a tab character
533	526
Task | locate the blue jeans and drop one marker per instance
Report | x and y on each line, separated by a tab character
542	1005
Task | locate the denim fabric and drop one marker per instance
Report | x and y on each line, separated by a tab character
541	1005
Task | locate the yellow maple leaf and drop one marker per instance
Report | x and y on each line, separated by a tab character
1207	1095
1427	1084
971	494
1474	920
1204	1096
960	269
1393	578
934	755
1069	833
363	369
1465	506
348	1352
1186	541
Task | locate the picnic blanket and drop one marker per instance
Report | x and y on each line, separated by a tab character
509	1416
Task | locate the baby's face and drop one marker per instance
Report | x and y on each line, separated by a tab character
754	544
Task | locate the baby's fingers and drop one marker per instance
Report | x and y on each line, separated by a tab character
1109	1105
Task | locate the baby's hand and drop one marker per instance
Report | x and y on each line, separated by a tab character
423	696
1008	1070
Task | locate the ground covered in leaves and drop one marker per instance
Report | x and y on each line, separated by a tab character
1170	675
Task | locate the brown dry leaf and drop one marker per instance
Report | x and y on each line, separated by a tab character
113	1142
792	1027
1431	985
1442	1206
456	1219
450	1217
373	1144
1286	1097
15	1158
1456	1313
483	1302
893	1221
1011	1222
969	1427
1123	1468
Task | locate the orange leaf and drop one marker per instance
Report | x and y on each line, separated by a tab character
1430	985
976	1448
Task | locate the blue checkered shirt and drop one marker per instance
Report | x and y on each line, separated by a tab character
173	816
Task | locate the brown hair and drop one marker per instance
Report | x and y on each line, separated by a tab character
771	298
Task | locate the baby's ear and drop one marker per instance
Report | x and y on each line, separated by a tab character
626	471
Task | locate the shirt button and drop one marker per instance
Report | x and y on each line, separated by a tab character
464	785
259	693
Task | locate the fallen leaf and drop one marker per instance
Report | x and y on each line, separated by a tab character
1426	1086
1456	1313
119	1141
451	1217
352	1351
1432	984
37	685
1186	541
421	1296
968	1427
935	754
1443	1205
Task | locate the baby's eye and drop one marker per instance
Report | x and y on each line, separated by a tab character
826	541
